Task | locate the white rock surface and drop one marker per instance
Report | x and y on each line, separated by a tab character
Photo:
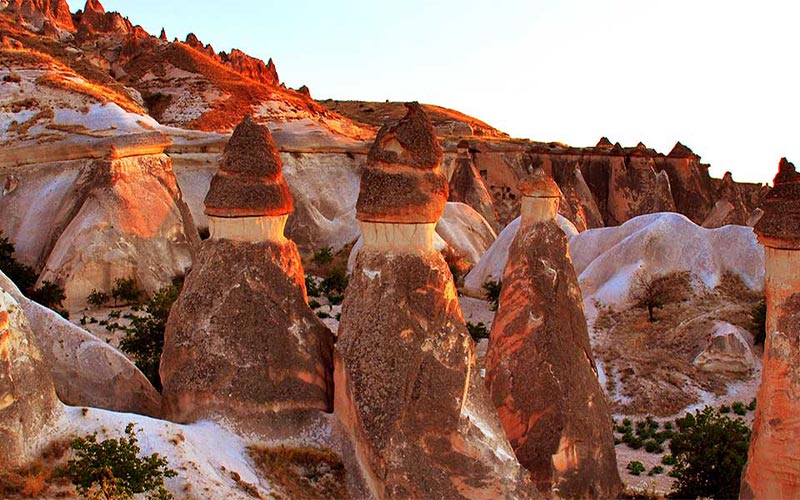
86	371
493	261
606	259
728	350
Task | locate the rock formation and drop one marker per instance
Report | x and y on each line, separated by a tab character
126	219
86	370
241	341
467	187
41	12
28	403
773	465
540	370
407	388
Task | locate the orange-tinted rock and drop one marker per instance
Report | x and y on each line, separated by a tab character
250	67
250	182
94	18
408	390
41	12
540	370
241	341
467	187
402	182
773	465
28	403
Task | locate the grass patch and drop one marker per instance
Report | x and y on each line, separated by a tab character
302	472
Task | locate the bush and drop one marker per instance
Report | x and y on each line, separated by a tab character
126	290
312	289
144	338
739	408
668	460
23	276
313	304
323	256
724	409
477	331
711	450
334	285
759	319
635	467
49	295
97	299
112	468
752	405
492	291
656	470
653	446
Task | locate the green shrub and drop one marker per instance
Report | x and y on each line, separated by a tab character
97	298
635	467
23	276
144	338
759	320
752	405
336	283
477	331
126	290
668	426
312	289
113	469
323	256
739	408
711	450
627	422
656	470
492	291
49	295
668	460
653	446
724	409
313	304
323	315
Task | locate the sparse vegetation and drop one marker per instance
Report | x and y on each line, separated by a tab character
710	450
312	288
303	472
654	292
635	467
334	285
739	408
113	469
492	289
48	294
477	331
97	298
144	338
126	290
323	256
759	317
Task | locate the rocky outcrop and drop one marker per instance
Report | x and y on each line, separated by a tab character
727	351
556	416
467	187
44	12
773	462
730	207
86	371
407	388
95	19
126	218
28	403
241	342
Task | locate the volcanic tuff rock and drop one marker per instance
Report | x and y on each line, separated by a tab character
86	371
241	341
467	187
28	403
555	414
41	12
773	465
407	388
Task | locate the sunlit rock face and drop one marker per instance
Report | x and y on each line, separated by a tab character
127	219
773	465
241	342
466	186
28	403
540	371
406	385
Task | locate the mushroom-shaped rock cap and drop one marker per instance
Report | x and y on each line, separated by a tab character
249	182
539	185
781	220
681	151
402	183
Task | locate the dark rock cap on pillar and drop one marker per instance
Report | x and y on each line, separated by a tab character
402	183
249	182
780	225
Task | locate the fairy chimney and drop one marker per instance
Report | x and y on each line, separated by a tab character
773	470
241	341
466	186
540	371
407	389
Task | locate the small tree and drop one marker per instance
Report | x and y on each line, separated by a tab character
651	293
492	289
323	256
710	450
126	290
477	331
112	469
23	276
97	298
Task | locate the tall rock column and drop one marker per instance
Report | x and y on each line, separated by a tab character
773	464
241	341
406	386
539	366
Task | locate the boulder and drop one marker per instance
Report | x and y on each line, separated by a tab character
728	351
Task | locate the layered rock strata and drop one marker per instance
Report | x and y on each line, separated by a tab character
773	464
407	388
540	370
241	341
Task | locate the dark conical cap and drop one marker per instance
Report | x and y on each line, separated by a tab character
604	143
250	182
539	185
402	182
781	221
681	151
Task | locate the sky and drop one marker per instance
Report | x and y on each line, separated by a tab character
723	77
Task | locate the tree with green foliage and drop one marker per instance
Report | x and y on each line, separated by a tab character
477	331
492	289
323	256
144	338
113	470
23	276
126	290
710	450
334	285
97	298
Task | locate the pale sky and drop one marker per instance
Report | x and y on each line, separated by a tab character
720	76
